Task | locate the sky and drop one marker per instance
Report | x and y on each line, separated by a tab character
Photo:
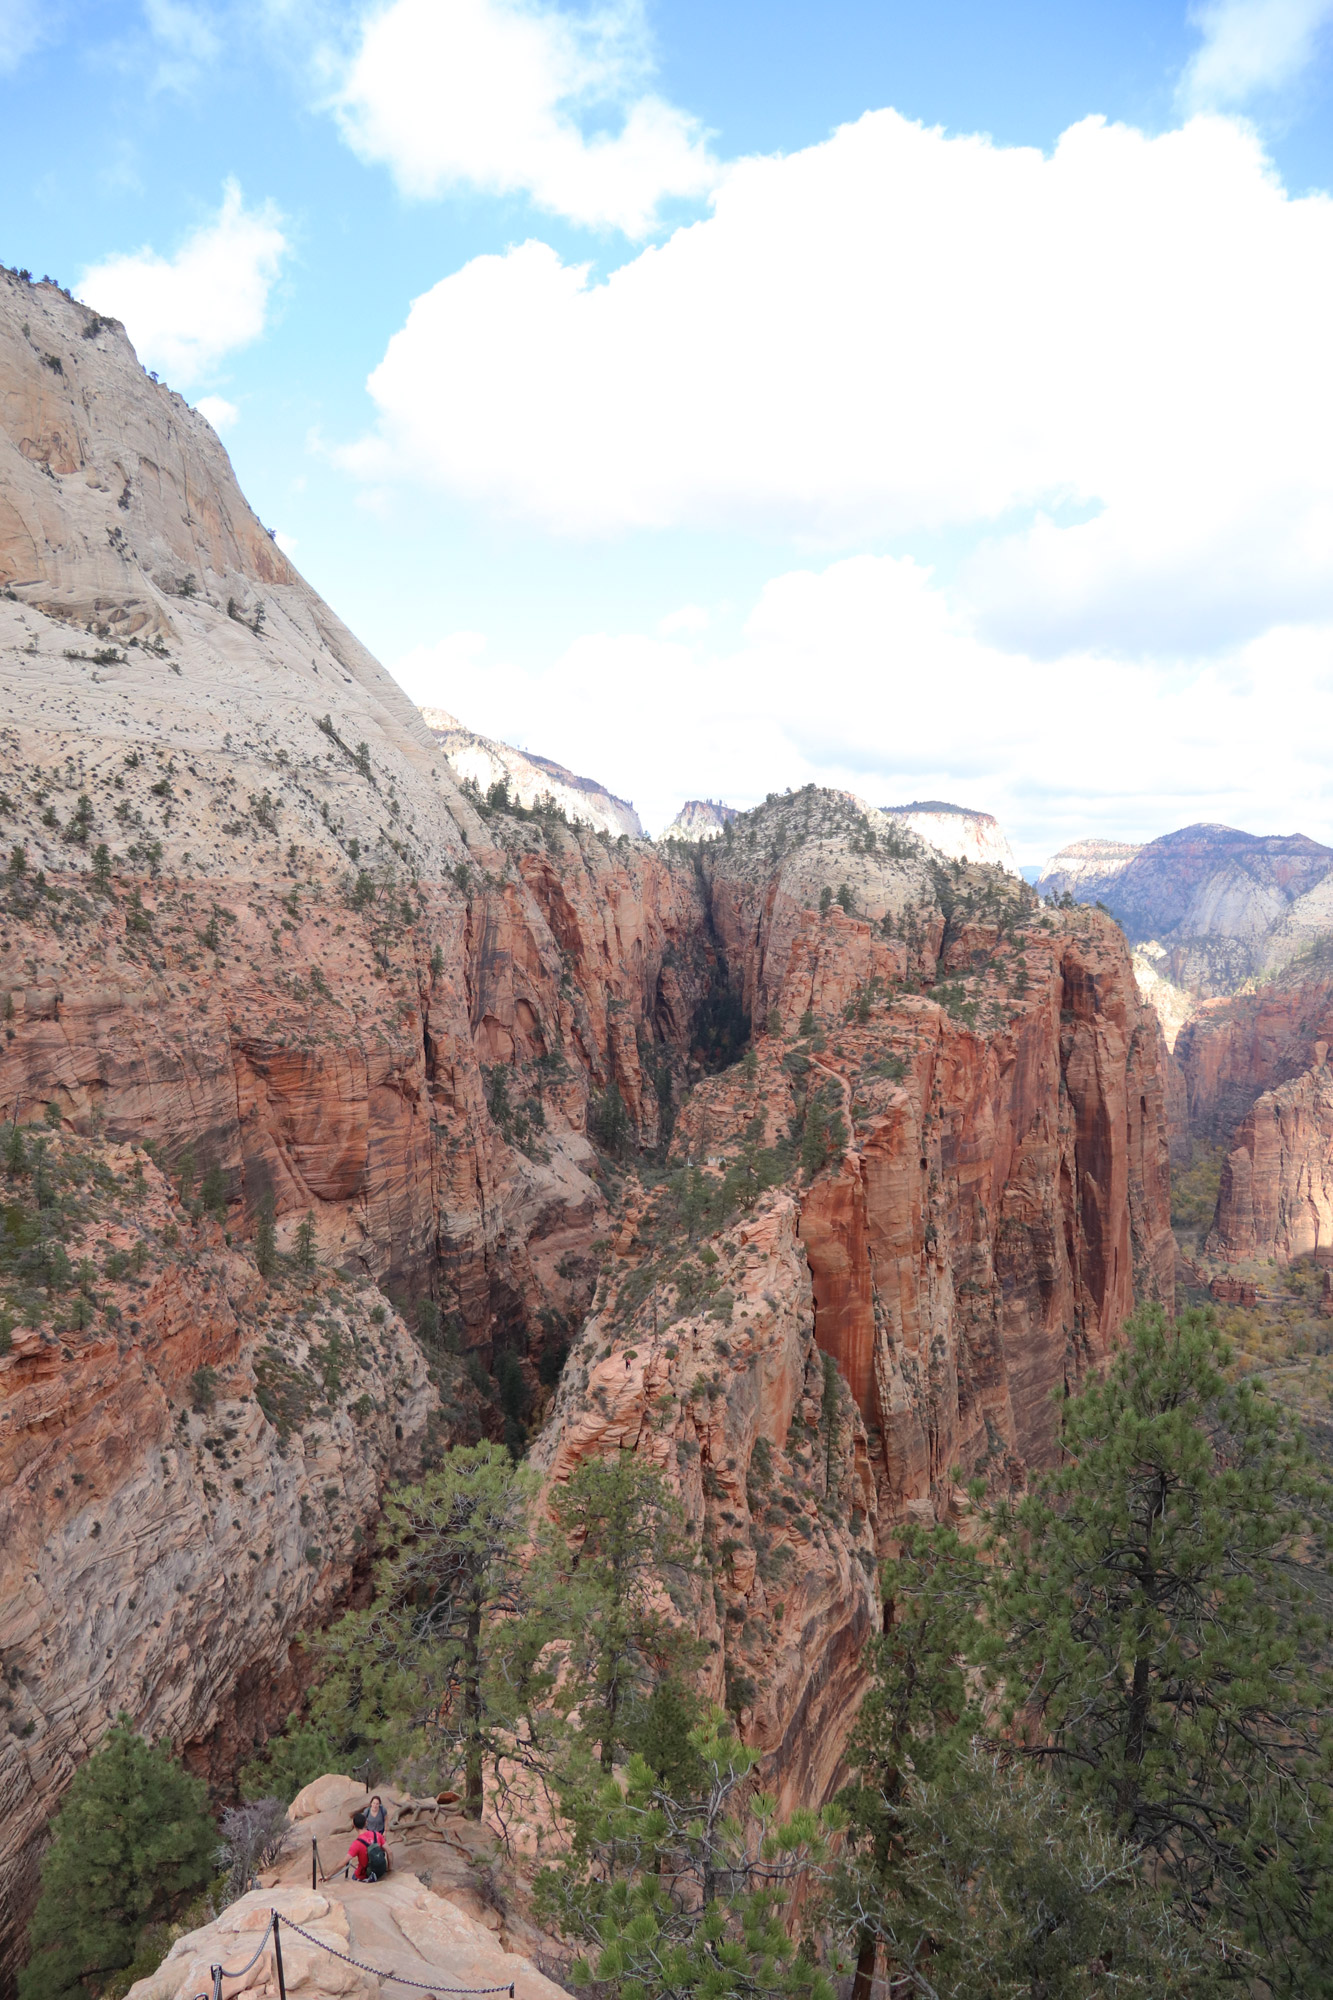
932	401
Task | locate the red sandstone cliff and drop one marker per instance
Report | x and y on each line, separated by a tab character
1276	1196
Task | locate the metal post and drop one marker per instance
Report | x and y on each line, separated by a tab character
314	1863
277	1958
216	1971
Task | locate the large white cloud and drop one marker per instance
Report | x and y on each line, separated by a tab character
1251	46
184	313
861	675
1113	357
513	97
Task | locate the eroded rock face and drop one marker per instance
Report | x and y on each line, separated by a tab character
994	1198
1234	1050
1276	1196
167	1535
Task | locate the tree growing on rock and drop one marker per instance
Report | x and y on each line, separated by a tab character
1155	1634
425	1671
132	1841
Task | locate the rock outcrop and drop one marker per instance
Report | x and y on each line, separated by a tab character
1276	1196
959	832
189	1460
482	762
1085	868
994	1198
426	1921
1236	1049
699	819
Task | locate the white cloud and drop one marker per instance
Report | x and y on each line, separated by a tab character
689	619
23	24
186	40
185	312
1113	357
864	676
1251	46
517	97
287	543
220	413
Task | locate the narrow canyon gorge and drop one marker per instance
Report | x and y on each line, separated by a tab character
275	982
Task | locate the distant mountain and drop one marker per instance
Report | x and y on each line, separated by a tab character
529	777
1080	865
958	831
1225	906
699	819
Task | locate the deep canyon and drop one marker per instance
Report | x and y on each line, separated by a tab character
256	935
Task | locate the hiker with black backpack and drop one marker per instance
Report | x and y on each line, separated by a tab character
369	1855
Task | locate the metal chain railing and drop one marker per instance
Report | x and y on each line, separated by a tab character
398	1978
272	1929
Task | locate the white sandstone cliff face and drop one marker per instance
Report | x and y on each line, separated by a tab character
1083	867
958	832
146	615
484	762
700	819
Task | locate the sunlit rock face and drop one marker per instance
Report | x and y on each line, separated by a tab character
483	762
958	832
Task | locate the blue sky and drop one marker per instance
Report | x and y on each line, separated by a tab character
926	400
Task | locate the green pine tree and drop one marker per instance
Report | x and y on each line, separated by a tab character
426	1670
133	1840
1155	1621
617	1541
305	1242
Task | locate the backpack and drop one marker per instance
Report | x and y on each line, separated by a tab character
377	1862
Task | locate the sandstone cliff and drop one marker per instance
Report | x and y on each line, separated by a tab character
958	832
190	1460
1276	1196
482	762
1223	905
992	1199
699	819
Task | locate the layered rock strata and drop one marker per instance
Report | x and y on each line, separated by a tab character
1276	1195
189	1463
993	1200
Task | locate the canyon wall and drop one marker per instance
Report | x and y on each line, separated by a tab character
249	919
993	1198
190	1462
1276	1194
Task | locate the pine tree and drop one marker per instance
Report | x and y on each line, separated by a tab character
132	1840
1155	1622
305	1242
618	1541
423	1671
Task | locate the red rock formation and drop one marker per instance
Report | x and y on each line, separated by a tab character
164	1541
1234	1050
1276	1197
1001	1200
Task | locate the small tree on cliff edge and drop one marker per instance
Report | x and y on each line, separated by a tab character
132	1841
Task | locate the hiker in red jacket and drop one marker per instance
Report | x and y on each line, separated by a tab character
367	1853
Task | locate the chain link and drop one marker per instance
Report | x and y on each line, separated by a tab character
421	1985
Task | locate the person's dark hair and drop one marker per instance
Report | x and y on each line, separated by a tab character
359	1818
